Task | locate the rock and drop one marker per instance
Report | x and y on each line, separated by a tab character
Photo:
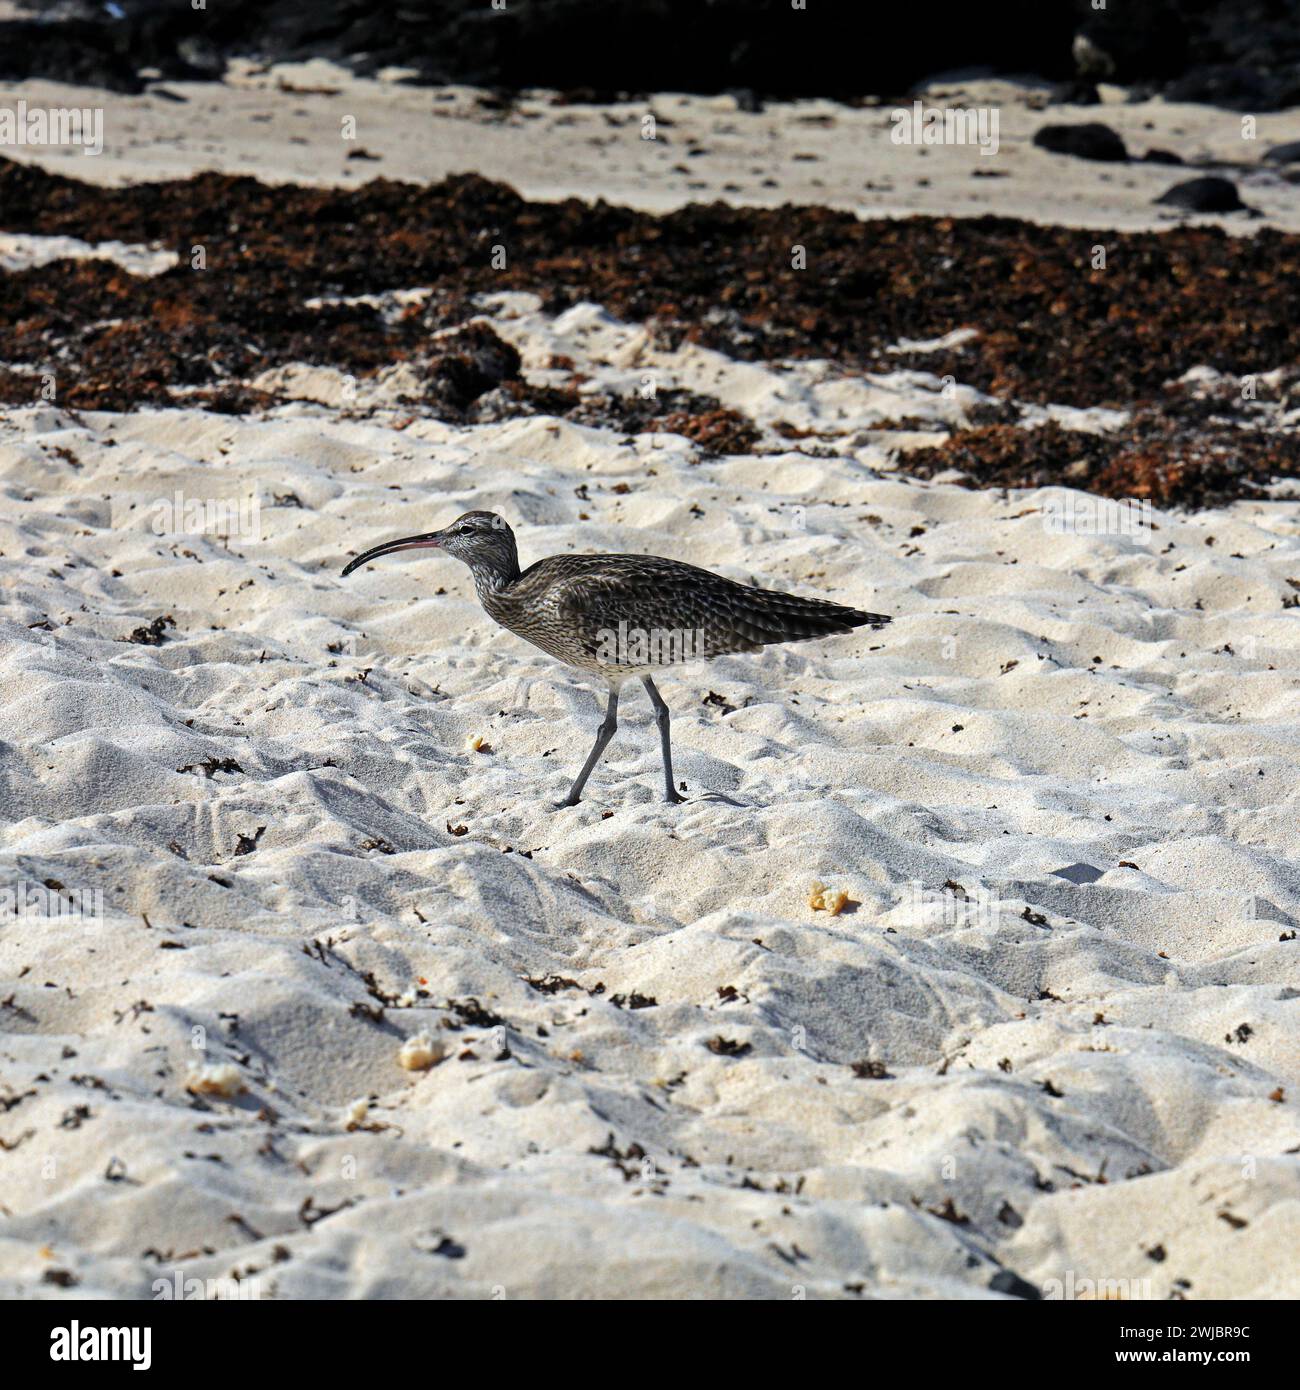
1235	86
1246	56
202	56
1162	157
1090	59
468	363
1141	38
1284	154
1204	195
76	50
1091	140
1077	92
1007	1281
746	99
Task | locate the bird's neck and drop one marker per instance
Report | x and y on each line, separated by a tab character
492	580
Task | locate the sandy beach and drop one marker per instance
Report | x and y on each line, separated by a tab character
306	983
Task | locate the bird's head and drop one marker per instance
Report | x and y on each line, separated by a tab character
482	540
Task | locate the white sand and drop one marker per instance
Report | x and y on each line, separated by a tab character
1042	700
200	1079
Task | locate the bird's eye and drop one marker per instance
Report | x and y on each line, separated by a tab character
464	530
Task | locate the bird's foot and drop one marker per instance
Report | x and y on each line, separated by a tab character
673	798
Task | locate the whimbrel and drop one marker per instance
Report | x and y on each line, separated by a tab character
619	616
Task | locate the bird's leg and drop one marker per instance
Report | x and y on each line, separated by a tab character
602	738
665	742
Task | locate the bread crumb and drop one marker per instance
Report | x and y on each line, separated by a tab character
213	1079
823	899
421	1052
356	1113
476	743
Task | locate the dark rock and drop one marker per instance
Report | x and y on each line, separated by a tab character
1284	154
1162	157
1092	140
1237	87
201	56
76	50
670	45
1007	1281
1091	60
1141	38
1246	55
1077	92
1210	194
469	362
747	99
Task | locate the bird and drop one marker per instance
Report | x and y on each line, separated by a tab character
620	617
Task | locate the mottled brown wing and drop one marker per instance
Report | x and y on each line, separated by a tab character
634	610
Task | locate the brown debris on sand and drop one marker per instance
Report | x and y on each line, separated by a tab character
1187	447
1051	330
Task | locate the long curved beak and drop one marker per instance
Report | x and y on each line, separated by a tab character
434	538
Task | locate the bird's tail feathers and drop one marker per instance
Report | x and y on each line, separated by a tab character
787	618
